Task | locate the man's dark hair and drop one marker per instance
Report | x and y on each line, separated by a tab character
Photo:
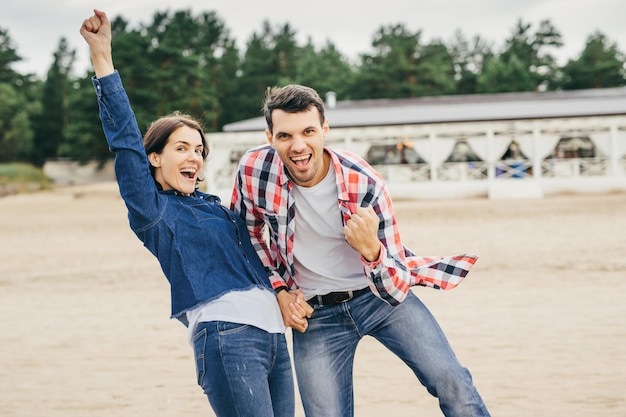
292	98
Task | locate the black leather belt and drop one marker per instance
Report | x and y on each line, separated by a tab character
334	298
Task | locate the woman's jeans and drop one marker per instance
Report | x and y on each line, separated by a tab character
243	370
324	355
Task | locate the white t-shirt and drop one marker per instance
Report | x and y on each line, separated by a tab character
255	307
324	260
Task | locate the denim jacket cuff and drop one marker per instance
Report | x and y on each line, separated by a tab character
108	84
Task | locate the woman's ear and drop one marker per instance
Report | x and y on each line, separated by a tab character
155	160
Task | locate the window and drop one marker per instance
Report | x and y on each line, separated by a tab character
462	152
574	147
399	153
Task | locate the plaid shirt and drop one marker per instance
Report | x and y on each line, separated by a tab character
263	196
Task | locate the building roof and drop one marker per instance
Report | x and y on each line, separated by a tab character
466	108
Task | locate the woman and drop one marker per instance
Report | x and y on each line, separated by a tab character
219	288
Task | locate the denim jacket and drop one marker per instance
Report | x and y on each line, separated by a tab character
204	249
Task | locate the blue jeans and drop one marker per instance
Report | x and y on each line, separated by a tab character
243	370
324	355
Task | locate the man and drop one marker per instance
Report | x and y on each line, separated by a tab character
333	235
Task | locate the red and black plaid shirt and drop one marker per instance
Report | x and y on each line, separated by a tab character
263	196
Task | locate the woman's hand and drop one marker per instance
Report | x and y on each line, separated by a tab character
96	31
294	309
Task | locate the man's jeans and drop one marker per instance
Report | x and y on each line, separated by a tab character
324	355
243	370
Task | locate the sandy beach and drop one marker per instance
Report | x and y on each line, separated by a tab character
540	321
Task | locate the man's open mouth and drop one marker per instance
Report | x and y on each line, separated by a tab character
301	161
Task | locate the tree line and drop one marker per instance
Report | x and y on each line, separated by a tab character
190	62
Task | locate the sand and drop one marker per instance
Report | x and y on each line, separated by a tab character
85	328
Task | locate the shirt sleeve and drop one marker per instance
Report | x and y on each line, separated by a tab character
397	268
243	206
132	168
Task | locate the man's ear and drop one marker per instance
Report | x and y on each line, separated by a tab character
270	137
155	159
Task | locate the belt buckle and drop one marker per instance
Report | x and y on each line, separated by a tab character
341	297
334	298
349	294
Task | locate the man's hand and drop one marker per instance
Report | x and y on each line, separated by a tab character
294	309
96	31
361	232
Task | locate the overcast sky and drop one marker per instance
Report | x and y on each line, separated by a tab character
36	26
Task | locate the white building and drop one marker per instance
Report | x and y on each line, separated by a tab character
507	145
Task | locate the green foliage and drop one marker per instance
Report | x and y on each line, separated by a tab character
180	80
21	173
83	139
526	63
189	62
403	67
600	65
20	177
137	71
16	135
392	71
269	60
8	56
435	71
325	70
53	120
469	58
500	76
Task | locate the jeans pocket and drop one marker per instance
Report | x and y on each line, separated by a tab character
226	328
199	346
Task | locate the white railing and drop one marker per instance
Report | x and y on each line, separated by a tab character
575	167
404	172
621	165
519	169
513	169
223	178
462	171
